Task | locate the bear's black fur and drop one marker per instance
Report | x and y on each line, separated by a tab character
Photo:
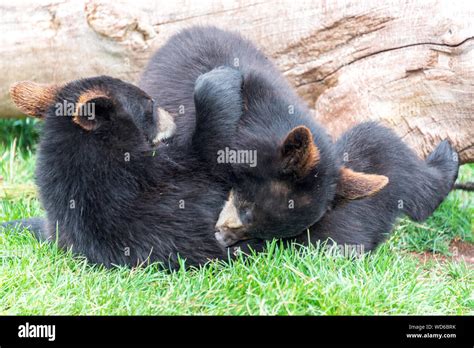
110	195
244	104
35	225
415	188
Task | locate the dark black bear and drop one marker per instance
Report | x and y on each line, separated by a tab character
415	188
282	162
107	192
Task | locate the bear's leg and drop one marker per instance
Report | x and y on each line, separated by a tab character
218	102
432	182
36	225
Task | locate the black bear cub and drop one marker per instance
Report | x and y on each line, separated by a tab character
415	189
243	106
109	194
254	132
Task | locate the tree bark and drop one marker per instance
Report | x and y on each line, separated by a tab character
409	64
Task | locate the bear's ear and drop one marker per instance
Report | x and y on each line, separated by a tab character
354	185
299	154
93	107
33	99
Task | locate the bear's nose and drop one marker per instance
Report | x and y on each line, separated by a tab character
229	236
227	229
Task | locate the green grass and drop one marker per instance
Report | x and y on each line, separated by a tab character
38	278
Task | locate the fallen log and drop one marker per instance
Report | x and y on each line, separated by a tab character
409	64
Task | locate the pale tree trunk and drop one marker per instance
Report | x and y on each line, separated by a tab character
408	64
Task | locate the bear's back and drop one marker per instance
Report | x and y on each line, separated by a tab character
170	75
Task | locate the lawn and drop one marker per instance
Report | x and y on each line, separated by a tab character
420	270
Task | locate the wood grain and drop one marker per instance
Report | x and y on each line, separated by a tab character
408	64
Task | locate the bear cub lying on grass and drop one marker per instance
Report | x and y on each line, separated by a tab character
166	200
414	187
223	86
220	84
108	193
